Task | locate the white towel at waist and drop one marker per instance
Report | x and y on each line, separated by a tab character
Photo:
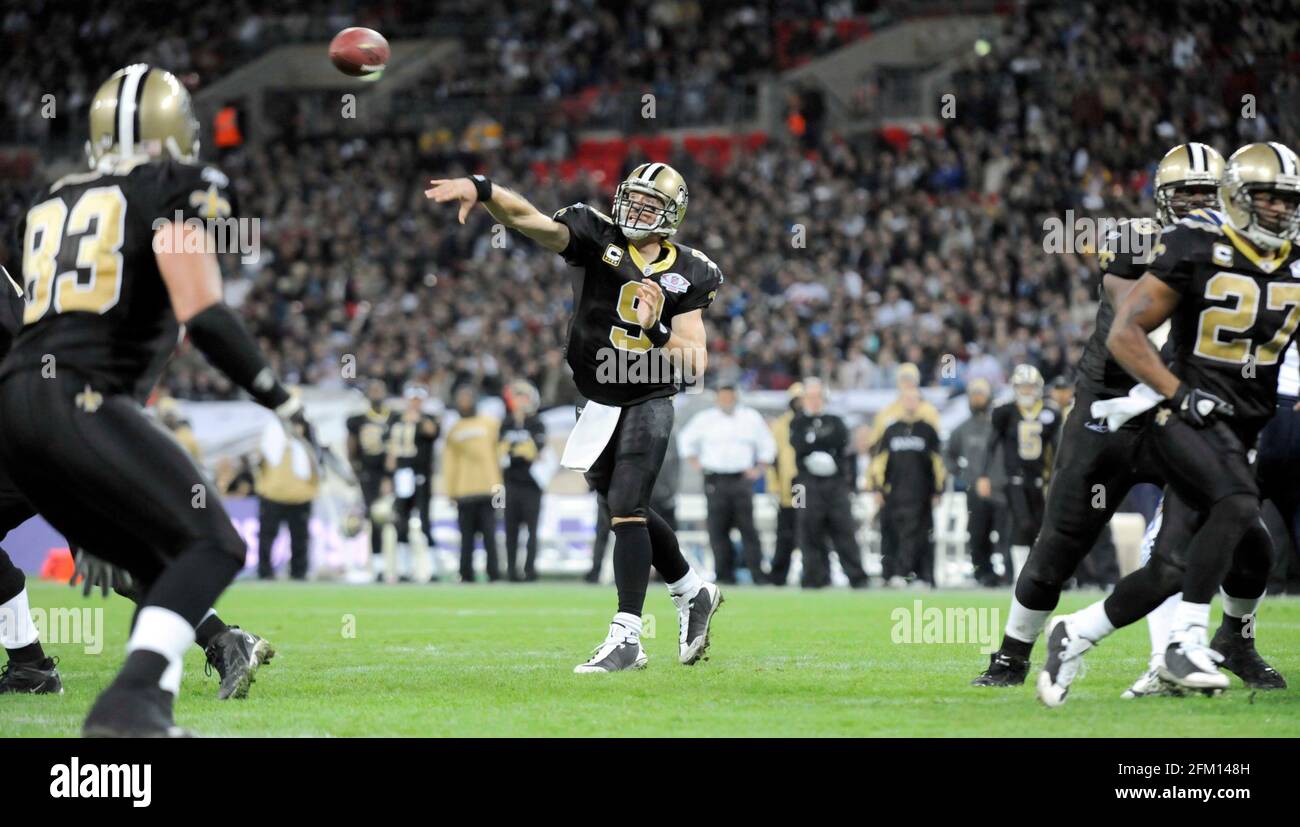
590	435
1121	409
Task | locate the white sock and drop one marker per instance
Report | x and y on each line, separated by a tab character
1159	622
16	627
1019	554
1025	625
687	586
1091	622
1190	622
404	560
1240	607
166	633
625	625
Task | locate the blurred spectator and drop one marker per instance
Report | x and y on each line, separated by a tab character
472	479
781	482
522	440
966	453
732	445
287	483
825	512
907	475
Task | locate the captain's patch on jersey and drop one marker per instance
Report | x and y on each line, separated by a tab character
613	255
1295	269
674	282
1222	254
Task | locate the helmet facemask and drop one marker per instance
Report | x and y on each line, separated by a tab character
631	214
1175	201
1265	226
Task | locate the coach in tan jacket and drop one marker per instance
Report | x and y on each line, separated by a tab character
471	476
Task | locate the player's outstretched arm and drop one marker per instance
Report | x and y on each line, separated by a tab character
1145	308
505	205
193	281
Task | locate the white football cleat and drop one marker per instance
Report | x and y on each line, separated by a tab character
1064	662
619	652
1151	685
693	617
1193	665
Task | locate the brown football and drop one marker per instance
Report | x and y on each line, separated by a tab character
359	52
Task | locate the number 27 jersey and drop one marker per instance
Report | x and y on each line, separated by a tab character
612	358
1236	315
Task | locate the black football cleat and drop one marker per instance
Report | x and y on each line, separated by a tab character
236	656
1241	658
132	712
693	619
1004	670
40	678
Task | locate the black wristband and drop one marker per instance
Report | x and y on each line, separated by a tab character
219	334
483	187
658	335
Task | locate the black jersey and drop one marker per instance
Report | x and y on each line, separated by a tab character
611	357
410	441
370	430
1126	253
907	466
1236	315
520	444
11	312
95	301
1027	438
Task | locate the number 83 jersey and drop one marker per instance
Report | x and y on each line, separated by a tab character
611	356
95	300
1236	315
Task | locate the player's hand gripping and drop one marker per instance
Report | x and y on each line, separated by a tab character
1199	408
649	297
443	190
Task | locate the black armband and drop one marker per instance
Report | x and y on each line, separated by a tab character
483	187
658	334
226	343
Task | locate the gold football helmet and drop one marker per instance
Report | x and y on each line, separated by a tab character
1027	383
1256	169
663	201
142	110
1183	167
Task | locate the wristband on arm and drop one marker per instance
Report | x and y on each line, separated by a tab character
482	187
219	334
658	334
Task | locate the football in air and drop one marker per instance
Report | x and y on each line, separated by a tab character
359	52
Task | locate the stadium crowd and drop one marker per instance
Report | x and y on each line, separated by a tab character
843	260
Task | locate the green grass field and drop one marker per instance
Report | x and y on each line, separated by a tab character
497	661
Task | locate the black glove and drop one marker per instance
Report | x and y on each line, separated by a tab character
1199	408
96	572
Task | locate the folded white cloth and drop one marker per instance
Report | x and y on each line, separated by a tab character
1121	409
590	435
821	464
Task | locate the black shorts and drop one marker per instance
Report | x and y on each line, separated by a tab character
625	472
1026	504
104	475
1201	465
1094	470
371	481
14	508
